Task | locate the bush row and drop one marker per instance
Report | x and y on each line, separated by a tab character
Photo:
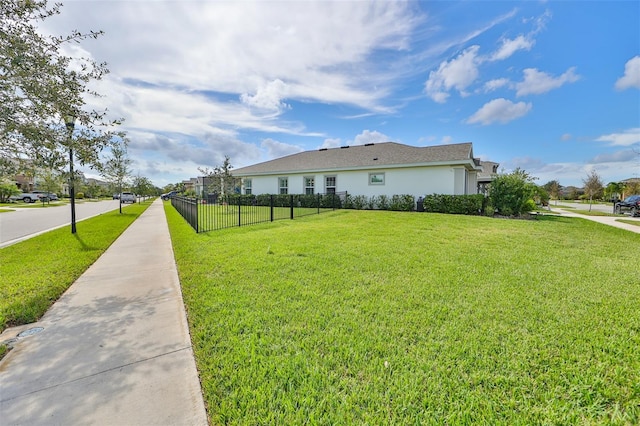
436	203
455	204
403	202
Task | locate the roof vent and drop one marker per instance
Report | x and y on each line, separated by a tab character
375	158
322	149
369	144
343	147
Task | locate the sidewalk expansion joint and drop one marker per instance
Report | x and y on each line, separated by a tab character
97	373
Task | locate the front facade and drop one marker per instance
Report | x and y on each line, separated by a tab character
385	168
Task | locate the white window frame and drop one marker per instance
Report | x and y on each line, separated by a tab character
248	184
284	187
309	185
328	187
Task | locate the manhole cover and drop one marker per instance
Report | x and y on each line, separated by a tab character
31	332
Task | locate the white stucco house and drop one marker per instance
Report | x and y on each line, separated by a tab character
387	168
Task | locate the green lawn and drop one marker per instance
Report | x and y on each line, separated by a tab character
37	271
219	216
370	317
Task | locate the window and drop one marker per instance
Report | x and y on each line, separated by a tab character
376	178
330	184
283	185
309	183
247	186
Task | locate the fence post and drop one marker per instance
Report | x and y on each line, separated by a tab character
239	211
318	202
196	215
271	207
291	203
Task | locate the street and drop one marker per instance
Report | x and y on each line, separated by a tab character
28	222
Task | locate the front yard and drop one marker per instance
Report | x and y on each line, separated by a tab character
370	317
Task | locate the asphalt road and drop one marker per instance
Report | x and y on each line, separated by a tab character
23	223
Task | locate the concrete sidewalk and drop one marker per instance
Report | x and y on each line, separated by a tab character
606	220
115	349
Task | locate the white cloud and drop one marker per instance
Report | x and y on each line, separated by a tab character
446	140
566	137
368	136
458	73
250	48
499	111
277	149
537	82
626	138
268	97
331	143
631	77
623	156
496	84
509	47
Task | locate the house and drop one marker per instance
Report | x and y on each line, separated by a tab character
486	176
387	168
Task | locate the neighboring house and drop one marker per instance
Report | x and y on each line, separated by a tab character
201	185
190	184
486	176
387	168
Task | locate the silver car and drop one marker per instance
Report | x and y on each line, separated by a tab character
128	197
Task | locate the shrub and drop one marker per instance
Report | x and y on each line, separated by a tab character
371	202
359	201
383	202
402	203
80	195
510	193
455	204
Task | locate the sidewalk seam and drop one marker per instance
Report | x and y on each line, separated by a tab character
97	373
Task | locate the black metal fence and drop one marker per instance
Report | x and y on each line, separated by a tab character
214	212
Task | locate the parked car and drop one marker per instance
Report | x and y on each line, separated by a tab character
169	195
27	197
46	196
631	203
128	197
116	196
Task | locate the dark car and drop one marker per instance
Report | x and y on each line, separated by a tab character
169	195
631	203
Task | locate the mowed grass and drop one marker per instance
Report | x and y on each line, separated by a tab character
35	272
218	216
369	317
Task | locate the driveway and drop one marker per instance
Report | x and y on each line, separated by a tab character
23	223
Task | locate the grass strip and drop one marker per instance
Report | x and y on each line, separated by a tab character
368	317
630	222
37	271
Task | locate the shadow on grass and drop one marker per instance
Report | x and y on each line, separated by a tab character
83	245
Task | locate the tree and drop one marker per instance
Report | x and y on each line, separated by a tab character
222	180
632	187
553	187
116	168
613	191
7	189
41	90
50	181
142	186
512	193
592	186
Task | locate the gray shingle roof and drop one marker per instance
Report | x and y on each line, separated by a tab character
362	157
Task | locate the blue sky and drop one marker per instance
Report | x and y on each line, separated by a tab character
551	87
